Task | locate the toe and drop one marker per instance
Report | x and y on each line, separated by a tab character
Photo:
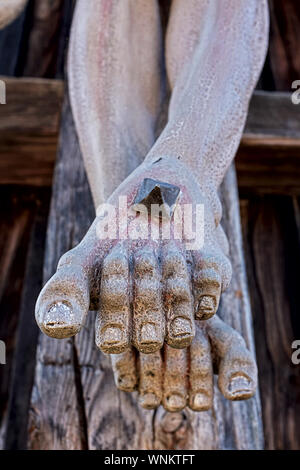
236	365
177	296
148	315
207	286
150	380
63	303
175	379
113	319
124	370
201	372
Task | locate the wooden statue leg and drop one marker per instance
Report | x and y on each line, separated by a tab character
75	403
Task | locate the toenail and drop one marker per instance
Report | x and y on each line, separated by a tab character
60	321
149	400
239	385
181	327
200	401
148	334
126	383
206	306
59	314
175	402
112	336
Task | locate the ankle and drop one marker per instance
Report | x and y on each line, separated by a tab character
173	170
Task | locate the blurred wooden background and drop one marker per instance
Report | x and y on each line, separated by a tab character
268	166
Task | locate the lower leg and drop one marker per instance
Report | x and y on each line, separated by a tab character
115	86
114	71
214	53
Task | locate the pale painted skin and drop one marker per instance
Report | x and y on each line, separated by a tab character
214	53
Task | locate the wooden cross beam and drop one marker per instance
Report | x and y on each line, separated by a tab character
268	160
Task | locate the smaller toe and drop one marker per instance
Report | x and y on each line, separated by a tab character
175	384
124	370
178	302
112	333
206	307
201	371
150	380
237	374
236	365
174	402
200	401
113	338
207	285
148	315
149	401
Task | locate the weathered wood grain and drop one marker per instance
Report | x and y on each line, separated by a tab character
268	160
29	123
272	115
284	42
41	58
15	222
56	417
10	45
32	106
273	257
27	331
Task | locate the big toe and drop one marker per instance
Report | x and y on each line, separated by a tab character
63	304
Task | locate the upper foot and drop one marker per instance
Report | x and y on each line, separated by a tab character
148	285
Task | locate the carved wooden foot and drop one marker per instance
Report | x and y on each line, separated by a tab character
163	281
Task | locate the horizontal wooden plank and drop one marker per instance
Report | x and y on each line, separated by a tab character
29	123
27	159
268	170
268	160
32	106
272	115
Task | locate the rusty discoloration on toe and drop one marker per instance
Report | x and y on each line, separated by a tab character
113	329
178	301
150	368
124	370
207	286
148	316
